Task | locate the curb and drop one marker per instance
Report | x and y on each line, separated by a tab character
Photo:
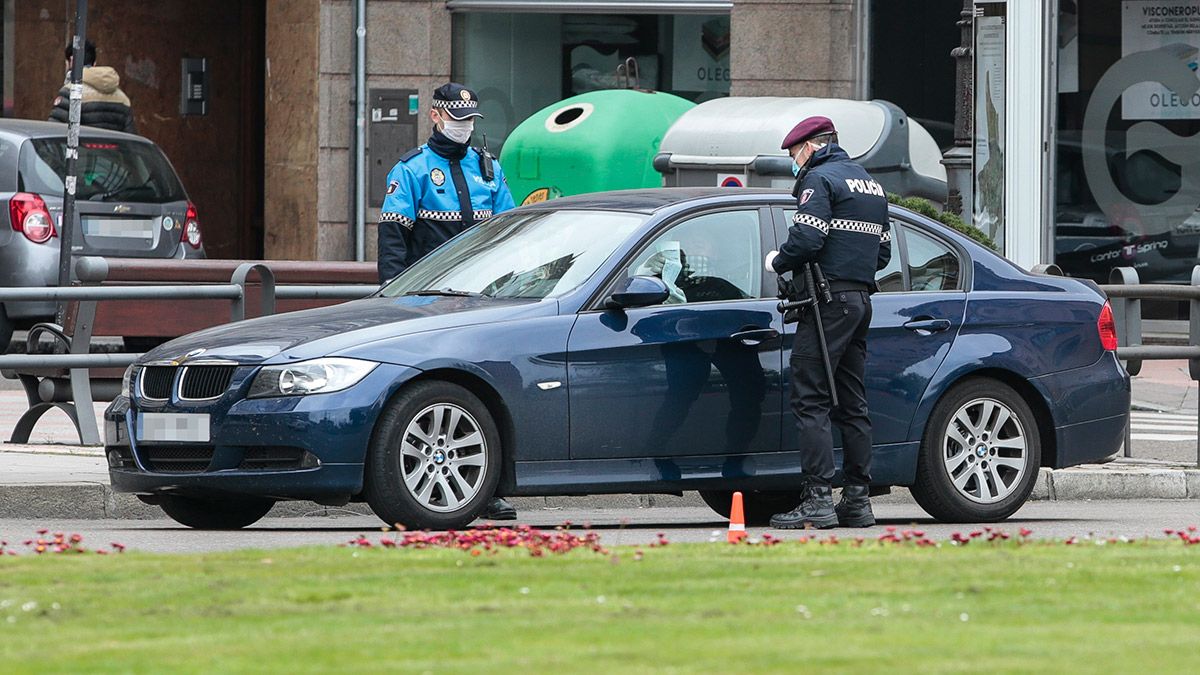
95	501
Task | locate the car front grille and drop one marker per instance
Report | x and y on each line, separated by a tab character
272	458
156	382
176	458
199	383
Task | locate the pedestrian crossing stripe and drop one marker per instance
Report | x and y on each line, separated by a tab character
1162	437
1147	425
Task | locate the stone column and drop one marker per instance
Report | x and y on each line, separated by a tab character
408	47
291	116
793	48
958	160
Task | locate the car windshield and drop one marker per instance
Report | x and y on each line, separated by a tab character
523	254
109	171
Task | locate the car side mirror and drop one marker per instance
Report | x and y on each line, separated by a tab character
640	291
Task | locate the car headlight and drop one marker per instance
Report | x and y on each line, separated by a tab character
127	382
318	376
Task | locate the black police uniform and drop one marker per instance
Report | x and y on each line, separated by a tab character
841	224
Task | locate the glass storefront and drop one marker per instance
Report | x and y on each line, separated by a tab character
520	63
1126	175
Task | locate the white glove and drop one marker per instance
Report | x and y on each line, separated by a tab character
770	259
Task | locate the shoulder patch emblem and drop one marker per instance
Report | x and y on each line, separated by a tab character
806	195
438	177
392	186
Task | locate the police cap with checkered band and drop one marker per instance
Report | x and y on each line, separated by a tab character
458	101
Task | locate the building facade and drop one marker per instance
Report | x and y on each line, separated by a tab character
273	162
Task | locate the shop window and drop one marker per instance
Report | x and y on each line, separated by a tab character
1126	175
520	63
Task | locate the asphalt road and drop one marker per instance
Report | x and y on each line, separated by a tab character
1049	520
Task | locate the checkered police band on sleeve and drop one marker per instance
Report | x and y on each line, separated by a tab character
458	101
810	128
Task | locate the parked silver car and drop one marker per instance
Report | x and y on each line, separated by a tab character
130	203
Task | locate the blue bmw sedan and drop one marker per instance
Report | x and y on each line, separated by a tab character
623	342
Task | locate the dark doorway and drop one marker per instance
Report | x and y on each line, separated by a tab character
219	155
910	62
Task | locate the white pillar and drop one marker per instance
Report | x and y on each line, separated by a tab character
1026	132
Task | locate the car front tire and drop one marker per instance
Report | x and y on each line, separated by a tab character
215	514
434	460
980	455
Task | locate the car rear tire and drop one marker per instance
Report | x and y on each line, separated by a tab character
758	506
6	330
434	459
980	456
215	514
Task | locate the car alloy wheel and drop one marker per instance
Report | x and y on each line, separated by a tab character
984	450
435	458
444	457
980	454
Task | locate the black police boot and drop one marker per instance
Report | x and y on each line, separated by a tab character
498	509
854	509
815	511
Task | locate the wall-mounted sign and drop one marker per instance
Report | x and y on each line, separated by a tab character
1174	27
990	144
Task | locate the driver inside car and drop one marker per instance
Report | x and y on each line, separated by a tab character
666	264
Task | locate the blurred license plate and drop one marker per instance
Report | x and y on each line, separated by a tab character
179	427
123	228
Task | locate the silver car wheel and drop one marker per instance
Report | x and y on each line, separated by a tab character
985	450
443	457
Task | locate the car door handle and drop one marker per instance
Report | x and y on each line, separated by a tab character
754	336
928	325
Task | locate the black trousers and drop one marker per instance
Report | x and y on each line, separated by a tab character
846	321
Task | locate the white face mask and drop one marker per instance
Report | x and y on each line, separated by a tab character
458	131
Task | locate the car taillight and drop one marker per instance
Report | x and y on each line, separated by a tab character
1107	328
191	227
30	217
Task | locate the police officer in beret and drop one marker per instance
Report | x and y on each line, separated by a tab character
438	190
841	224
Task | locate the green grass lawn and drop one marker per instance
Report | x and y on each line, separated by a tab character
712	608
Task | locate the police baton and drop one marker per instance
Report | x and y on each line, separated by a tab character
814	284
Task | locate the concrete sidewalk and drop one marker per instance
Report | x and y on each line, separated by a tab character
44	481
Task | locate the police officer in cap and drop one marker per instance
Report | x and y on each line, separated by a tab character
438	190
841	224
441	188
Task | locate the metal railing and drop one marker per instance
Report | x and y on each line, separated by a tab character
1125	294
45	393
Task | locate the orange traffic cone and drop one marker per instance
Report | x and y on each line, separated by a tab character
737	520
